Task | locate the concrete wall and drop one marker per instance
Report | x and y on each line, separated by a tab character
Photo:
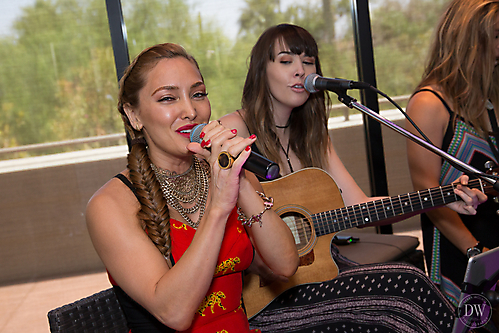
42	200
42	225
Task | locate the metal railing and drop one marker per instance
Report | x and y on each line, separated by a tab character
121	136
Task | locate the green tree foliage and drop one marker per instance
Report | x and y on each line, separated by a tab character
158	21
259	15
58	80
401	35
57	74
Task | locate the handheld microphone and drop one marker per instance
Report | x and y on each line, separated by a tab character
315	82
255	163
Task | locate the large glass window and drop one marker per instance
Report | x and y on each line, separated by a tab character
57	74
402	31
220	34
57	78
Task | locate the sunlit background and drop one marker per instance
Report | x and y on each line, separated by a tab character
61	136
57	74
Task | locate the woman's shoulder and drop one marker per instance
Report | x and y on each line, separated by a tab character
115	194
429	100
235	120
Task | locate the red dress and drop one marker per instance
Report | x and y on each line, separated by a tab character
221	310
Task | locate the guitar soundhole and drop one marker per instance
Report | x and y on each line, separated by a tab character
300	227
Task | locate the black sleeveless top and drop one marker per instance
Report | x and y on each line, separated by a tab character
138	318
444	260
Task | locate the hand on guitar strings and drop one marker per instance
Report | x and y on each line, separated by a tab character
471	198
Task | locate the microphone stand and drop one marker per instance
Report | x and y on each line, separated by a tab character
482	270
352	103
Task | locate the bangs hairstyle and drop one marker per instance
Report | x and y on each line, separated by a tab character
308	122
462	59
298	41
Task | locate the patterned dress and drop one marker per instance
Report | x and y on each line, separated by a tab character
221	311
445	262
391	297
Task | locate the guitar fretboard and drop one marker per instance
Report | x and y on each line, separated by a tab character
373	211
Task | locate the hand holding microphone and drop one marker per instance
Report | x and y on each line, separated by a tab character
255	163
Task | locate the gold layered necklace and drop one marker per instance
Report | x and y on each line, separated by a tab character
187	187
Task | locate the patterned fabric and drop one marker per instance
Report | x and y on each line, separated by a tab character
446	263
221	309
367	298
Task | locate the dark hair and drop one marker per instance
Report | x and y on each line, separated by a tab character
308	122
154	210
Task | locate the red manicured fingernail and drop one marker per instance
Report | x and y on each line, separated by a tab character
252	136
201	135
203	144
208	142
234	131
247	148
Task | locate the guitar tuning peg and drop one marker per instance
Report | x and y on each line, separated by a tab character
490	165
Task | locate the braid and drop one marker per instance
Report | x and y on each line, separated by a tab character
153	214
154	210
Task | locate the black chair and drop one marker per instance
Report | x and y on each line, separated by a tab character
99	312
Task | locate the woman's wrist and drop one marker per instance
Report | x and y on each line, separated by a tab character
268	203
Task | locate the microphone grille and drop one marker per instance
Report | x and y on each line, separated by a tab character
309	83
195	132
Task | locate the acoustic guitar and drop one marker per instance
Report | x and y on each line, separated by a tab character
310	203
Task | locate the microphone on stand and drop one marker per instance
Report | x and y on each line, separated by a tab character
255	163
315	82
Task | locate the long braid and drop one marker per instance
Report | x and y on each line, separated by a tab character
153	214
153	208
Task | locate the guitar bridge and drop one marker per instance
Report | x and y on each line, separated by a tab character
307	259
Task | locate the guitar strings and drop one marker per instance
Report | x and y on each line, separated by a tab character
352	216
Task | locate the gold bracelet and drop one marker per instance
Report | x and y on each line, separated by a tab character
268	202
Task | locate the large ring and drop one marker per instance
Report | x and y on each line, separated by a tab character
225	160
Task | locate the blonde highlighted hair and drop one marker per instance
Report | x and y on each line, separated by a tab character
462	59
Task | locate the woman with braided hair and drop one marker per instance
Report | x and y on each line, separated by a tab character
174	229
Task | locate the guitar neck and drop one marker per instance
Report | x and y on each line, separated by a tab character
382	209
